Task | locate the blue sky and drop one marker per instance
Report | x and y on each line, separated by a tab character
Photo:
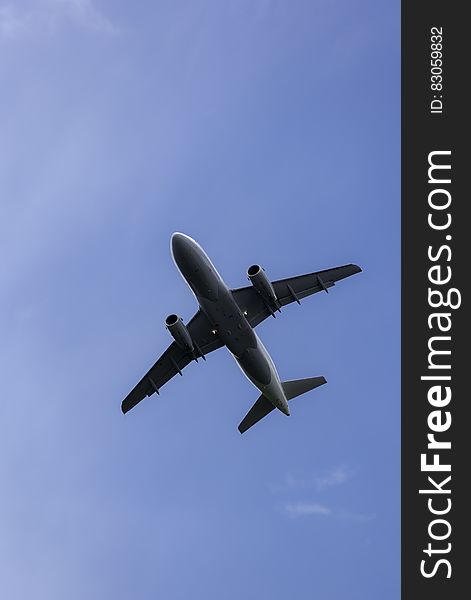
269	132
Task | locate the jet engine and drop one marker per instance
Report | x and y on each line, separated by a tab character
179	332
257	277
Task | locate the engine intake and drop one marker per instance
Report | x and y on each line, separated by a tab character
179	332
261	283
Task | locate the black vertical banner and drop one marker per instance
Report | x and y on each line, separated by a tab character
436	268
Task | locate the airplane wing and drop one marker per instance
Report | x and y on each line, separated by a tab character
173	361
292	289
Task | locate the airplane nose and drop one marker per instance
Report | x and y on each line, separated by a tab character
181	246
177	238
178	243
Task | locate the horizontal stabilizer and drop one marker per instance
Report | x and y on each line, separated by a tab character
263	406
260	409
296	387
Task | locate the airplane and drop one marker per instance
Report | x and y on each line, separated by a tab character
227	317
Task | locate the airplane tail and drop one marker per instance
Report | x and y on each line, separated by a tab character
296	387
292	389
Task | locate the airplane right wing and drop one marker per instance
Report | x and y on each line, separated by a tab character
173	361
292	289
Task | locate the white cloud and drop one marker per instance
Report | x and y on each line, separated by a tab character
334	477
303	509
295	510
44	17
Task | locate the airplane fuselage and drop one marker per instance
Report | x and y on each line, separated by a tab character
229	322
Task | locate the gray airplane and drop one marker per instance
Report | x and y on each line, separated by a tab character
227	318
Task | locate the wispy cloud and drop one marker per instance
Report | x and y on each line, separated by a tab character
296	510
46	16
314	485
303	509
332	478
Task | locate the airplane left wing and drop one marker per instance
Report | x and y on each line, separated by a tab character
173	361
292	289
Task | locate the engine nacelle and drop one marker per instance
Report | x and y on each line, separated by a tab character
262	284
179	332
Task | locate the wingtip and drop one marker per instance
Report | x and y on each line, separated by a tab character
357	269
241	428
